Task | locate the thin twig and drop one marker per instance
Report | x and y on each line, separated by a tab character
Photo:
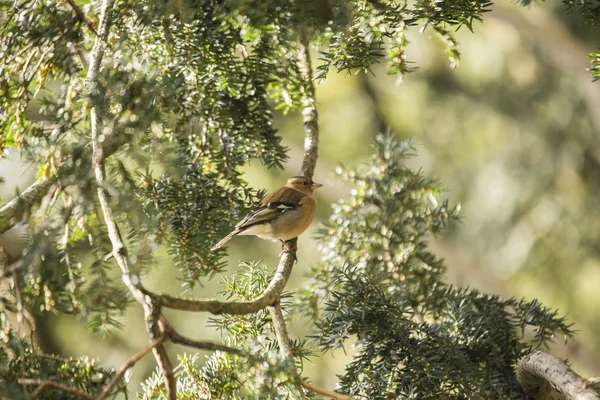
78	13
36	69
42	384
176	338
324	392
21	310
19	298
368	88
130	363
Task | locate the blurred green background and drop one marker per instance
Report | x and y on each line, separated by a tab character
513	135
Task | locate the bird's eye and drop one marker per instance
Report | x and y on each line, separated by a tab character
305	183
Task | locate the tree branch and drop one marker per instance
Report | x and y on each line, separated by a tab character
130	363
176	338
369	89
324	392
11	269
309	110
267	298
543	376
285	347
12	212
78	13
119	251
42	384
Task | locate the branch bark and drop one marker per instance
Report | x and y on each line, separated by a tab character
544	376
285	347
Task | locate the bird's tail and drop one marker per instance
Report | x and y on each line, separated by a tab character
224	240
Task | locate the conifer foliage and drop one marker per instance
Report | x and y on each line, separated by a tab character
138	114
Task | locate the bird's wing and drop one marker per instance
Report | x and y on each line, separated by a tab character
272	206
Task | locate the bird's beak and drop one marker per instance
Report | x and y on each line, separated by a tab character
315	186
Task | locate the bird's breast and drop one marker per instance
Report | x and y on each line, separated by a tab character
292	223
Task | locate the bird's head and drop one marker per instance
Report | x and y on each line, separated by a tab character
302	184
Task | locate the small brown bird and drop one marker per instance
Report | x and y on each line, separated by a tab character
282	215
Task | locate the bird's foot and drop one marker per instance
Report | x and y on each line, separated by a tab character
286	249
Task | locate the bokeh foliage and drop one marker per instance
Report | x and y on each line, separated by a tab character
187	93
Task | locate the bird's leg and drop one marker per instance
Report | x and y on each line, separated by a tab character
287	248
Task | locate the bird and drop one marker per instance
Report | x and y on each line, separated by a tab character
281	215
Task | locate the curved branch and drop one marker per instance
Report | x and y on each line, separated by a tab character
267	298
285	347
542	375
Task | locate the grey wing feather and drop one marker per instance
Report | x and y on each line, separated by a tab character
272	206
266	213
